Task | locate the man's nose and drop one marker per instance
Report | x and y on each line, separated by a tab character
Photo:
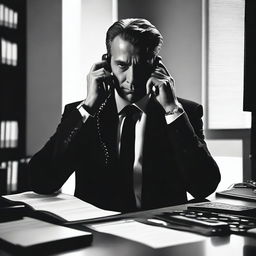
130	77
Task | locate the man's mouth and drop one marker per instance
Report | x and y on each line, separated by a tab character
127	91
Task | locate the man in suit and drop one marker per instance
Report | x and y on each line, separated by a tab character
131	142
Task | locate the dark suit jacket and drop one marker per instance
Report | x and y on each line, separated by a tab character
175	159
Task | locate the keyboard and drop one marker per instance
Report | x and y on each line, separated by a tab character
240	225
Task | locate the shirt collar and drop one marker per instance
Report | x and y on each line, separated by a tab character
140	104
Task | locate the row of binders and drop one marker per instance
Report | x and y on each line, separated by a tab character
9	176
9	53
13	176
9	133
8	17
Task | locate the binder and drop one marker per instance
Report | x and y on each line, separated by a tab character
1	14
244	190
29	236
3	180
239	193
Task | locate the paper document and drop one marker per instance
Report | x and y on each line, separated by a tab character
65	206
155	237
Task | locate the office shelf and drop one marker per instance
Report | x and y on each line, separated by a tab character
13	87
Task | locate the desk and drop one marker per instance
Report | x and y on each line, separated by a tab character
108	245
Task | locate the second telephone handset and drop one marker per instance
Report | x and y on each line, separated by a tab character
109	82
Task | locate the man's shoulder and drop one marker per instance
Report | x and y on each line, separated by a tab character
72	105
189	106
188	103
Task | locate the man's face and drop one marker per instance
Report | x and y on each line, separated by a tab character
130	69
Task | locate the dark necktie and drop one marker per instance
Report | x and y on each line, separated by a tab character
127	150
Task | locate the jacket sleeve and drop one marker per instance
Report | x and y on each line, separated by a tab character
198	169
54	163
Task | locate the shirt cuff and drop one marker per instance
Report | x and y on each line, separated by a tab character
85	115
172	117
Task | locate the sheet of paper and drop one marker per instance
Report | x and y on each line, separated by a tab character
155	237
66	206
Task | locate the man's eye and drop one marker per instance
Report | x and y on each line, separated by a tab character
122	66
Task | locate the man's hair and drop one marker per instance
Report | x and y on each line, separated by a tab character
139	32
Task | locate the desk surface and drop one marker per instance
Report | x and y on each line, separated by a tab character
109	245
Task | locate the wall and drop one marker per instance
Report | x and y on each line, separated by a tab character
83	44
83	39
180	22
64	38
43	71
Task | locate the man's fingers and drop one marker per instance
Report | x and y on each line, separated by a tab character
159	79
165	78
101	73
98	65
150	84
162	66
154	83
158	72
159	75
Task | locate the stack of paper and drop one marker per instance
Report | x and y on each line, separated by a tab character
62	206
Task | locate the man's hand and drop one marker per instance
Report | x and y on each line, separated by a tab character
96	86
161	85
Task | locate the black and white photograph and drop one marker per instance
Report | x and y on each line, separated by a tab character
127	127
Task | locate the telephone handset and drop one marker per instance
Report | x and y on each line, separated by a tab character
109	82
107	58
158	63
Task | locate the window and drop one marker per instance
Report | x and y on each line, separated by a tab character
226	65
223	57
